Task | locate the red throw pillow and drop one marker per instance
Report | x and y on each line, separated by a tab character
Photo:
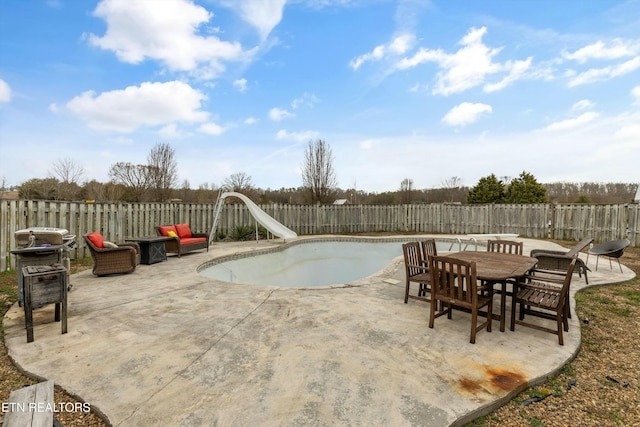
97	239
184	232
165	229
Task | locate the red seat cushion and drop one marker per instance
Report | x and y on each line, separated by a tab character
165	229
97	239
183	230
190	240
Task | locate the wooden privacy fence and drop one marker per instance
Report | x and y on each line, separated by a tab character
119	221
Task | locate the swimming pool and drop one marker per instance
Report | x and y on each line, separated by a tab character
310	262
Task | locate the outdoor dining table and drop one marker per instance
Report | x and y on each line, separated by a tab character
497	267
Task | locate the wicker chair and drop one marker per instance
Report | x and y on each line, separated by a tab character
121	259
560	260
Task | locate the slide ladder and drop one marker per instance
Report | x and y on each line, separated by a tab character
216	217
258	214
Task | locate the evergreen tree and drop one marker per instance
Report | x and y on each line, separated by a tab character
526	189
488	190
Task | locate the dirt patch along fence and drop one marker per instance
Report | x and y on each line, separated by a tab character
119	221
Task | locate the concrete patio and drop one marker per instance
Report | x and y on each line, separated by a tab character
166	346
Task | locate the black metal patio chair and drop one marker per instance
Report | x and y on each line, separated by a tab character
611	249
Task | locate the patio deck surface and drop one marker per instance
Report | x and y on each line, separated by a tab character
166	346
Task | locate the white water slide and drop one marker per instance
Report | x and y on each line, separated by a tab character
261	216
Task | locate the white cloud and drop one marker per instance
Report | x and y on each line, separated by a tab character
264	15
466	113
516	70
468	67
629	133
635	92
121	140
376	54
398	46
170	131
307	99
606	73
54	4
165	31
297	136
276	114
250	120
423	55
211	129
5	91
150	104
419	88
240	85
401	44
599	50
367	144
570	124
583	104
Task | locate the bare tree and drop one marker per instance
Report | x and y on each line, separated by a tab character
184	193
238	181
39	189
134	177
94	190
3	187
206	193
162	169
114	191
67	171
406	191
452	187
318	176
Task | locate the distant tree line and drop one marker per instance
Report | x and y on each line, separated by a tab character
157	181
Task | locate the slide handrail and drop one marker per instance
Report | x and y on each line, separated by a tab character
260	216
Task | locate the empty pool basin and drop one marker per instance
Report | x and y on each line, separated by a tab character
310	263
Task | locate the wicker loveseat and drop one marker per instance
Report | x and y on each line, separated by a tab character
109	258
183	239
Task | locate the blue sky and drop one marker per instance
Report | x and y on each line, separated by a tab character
425	90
